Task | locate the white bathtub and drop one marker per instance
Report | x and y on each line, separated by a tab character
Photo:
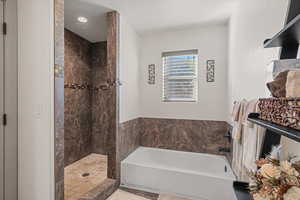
192	175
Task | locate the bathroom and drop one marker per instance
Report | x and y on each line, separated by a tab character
118	119
153	100
90	88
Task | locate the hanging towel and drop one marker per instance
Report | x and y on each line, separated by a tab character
238	121
235	111
237	162
253	136
237	158
237	135
250	107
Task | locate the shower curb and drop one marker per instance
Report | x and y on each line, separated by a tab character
102	191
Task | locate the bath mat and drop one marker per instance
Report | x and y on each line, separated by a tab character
169	197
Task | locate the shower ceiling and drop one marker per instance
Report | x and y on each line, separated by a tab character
94	30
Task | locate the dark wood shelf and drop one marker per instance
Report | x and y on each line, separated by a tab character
289	35
275	128
241	190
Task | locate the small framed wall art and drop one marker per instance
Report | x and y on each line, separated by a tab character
151	74
210	73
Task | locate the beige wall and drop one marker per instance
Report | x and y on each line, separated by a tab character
36	73
129	72
212	44
251	23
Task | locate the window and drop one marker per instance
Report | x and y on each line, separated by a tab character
180	79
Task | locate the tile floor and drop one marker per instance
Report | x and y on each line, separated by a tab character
169	197
124	195
147	195
84	175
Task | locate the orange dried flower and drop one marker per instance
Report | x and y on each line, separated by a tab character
261	162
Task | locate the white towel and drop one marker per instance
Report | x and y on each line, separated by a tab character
247	141
237	158
238	121
253	136
237	135
250	107
236	111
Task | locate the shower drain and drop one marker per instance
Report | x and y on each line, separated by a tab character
85	174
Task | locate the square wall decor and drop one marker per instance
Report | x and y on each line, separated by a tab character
210	74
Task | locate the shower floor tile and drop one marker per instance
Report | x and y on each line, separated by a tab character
84	175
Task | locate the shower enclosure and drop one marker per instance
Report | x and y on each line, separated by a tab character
88	107
86	89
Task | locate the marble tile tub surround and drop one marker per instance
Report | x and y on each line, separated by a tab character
129	137
185	135
199	136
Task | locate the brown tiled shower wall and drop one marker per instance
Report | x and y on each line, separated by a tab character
78	132
184	135
86	109
100	99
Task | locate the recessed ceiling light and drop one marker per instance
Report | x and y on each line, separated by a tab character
82	19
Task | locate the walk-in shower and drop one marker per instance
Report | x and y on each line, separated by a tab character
89	96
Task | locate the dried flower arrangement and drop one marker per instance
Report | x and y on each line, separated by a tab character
276	179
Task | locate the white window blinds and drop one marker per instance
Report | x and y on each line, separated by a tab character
180	79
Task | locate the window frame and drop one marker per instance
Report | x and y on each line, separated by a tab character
195	77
